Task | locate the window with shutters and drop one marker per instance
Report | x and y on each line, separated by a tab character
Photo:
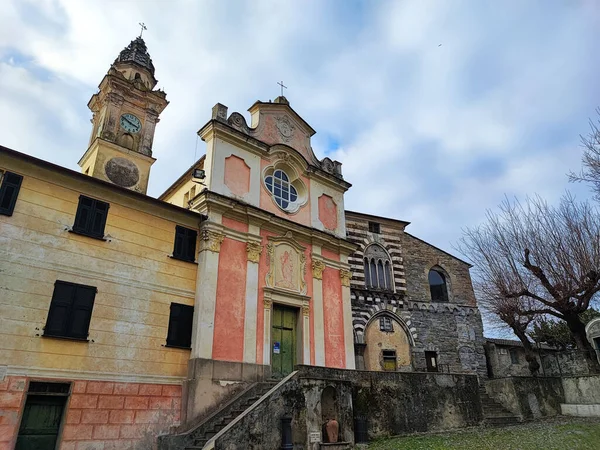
90	219
185	244
9	190
70	310
180	326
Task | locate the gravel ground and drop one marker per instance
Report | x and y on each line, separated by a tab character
551	434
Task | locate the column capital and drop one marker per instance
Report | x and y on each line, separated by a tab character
318	267
267	301
305	309
345	275
254	249
211	240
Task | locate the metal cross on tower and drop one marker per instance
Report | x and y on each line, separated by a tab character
143	25
282	87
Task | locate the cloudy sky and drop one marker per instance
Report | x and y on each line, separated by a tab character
436	109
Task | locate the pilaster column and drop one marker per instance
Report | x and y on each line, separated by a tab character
149	126
253	250
318	266
345	276
306	333
111	119
206	294
268	304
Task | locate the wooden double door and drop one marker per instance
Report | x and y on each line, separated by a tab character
283	340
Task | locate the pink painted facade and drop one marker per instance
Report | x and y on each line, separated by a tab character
237	175
98	414
328	212
334	322
249	284
228	342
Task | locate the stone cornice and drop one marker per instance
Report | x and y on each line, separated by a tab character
208	200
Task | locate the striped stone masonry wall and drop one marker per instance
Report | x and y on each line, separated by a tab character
452	329
358	233
99	415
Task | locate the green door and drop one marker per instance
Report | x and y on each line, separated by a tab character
283	341
41	422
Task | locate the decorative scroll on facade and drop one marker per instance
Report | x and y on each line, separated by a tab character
287	264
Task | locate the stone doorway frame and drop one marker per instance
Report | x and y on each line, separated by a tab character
301	303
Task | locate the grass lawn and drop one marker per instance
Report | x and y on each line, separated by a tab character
556	434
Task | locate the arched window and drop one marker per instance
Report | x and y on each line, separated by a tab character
378	268
437	286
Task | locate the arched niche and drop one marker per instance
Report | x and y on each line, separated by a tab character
388	344
329	409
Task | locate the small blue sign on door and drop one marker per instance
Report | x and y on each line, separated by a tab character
276	347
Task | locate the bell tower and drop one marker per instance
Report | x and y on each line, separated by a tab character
125	113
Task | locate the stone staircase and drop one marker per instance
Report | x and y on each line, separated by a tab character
210	427
198	435
494	414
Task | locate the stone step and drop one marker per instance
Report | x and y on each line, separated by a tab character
501	420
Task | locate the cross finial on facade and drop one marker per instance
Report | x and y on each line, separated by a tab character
143	25
282	87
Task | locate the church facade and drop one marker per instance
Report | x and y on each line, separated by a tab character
123	315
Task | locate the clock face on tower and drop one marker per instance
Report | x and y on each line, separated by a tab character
130	123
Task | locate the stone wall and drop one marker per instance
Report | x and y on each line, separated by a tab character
419	257
582	390
393	403
553	363
564	363
528	397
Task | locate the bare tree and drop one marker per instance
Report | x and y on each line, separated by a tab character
510	312
535	259
590	160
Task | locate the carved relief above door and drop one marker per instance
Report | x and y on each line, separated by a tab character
287	264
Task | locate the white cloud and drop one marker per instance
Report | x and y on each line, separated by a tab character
417	123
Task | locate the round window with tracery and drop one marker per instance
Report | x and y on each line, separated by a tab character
281	189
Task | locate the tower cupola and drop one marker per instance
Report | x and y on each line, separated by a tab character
135	64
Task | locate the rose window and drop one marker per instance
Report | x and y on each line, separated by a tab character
281	189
